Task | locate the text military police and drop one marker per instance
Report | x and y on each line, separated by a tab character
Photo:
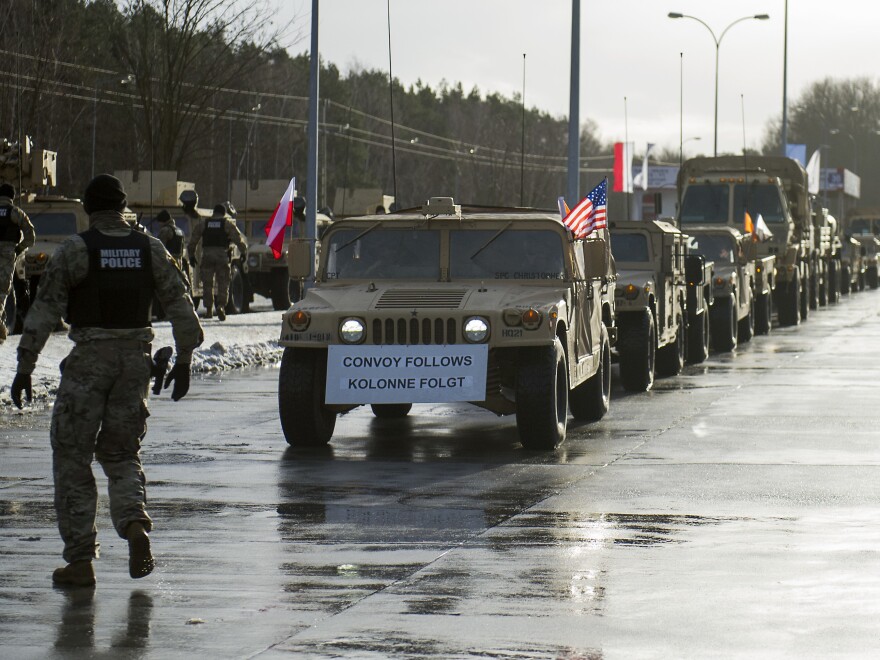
216	234
16	236
103	281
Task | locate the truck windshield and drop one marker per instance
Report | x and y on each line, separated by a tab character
758	199
630	247
402	254
705	204
719	249
531	254
54	224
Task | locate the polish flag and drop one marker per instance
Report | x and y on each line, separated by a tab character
623	160
281	220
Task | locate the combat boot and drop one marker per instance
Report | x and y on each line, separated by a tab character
75	574
221	314
140	559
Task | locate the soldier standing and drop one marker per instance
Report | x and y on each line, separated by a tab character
171	236
103	281
16	236
216	234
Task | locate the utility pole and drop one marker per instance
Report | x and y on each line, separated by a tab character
572	191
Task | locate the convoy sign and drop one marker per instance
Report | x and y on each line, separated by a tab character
406	374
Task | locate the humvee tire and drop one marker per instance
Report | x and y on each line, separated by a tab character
844	280
745	329
872	278
698	338
637	346
280	289
670	358
762	315
724	325
833	283
391	410
861	281
589	401
305	420
542	396
788	302
813	290
805	299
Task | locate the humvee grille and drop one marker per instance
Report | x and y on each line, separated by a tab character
414	331
421	298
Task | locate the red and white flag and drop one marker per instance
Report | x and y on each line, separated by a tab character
623	165
281	220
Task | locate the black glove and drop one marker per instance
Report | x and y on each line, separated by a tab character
179	374
21	383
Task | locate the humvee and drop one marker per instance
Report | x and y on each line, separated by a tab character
742	302
651	301
498	307
863	224
852	270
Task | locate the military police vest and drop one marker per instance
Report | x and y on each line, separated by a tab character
214	234
118	290
10	232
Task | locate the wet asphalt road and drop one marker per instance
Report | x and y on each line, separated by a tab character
732	512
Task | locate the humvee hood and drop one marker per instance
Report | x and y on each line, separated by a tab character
637	277
447	296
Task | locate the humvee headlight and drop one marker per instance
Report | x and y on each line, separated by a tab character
299	320
631	292
531	319
352	331
253	261
512	317
42	258
719	281
476	329
38	258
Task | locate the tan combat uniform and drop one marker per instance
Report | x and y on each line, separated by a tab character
16	236
216	234
101	407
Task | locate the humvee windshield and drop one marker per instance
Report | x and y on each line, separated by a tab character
862	227
53	224
757	199
705	204
412	254
720	249
508	255
257	228
630	247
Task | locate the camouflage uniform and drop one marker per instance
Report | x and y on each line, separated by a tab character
173	239
215	260
101	406
10	249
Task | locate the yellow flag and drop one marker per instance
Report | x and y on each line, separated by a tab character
749	226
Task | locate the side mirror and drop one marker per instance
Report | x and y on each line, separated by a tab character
299	259
595	259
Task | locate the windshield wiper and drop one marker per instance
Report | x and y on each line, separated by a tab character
359	236
491	240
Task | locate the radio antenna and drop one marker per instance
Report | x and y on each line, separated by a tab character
391	103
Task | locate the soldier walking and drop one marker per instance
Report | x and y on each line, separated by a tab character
217	234
16	236
103	281
171	236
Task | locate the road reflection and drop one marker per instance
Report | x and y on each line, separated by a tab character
77	622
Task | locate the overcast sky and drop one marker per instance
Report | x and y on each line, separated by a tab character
629	48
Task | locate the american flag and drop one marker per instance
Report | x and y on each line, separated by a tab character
589	215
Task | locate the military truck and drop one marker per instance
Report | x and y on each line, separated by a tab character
268	276
651	301
720	190
498	307
55	217
863	224
738	299
829	289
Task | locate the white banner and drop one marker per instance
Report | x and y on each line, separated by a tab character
406	374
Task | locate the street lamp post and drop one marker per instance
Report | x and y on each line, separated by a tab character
837	131
681	147
758	17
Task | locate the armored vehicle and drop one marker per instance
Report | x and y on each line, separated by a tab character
498	307
735	309
852	268
825	258
700	274
651	301
863	224
720	190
